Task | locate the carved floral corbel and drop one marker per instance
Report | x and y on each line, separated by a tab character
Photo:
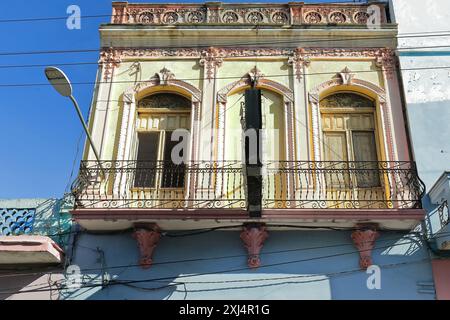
147	237
253	236
298	60
387	61
211	59
364	240
110	59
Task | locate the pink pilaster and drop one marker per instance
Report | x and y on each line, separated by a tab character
364	241
441	275
147	237
253	236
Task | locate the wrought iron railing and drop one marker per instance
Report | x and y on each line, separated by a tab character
444	214
342	185
207	185
159	184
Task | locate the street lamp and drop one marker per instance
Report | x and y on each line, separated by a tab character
61	83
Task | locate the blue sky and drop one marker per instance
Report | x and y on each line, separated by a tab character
40	131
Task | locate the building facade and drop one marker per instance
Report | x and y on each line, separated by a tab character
340	201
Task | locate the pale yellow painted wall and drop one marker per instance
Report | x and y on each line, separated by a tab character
190	71
320	71
276	70
274	142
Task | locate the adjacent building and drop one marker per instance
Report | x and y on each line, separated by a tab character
424	63
35	238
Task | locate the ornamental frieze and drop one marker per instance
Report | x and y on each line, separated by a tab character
247	14
385	56
212	58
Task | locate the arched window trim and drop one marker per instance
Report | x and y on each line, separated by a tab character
255	75
361	87
187	101
164	81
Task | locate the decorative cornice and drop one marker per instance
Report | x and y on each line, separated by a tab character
212	58
384	56
244	14
109	59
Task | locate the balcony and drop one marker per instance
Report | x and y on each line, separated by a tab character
294	191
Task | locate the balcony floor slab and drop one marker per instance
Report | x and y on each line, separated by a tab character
179	219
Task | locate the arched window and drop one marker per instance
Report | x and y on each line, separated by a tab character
273	125
159	115
165	101
349	139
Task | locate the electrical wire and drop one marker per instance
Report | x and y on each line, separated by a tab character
17	85
235	256
235	270
246	44
91	16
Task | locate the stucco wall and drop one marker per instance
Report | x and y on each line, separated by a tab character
428	108
51	219
423	59
311	277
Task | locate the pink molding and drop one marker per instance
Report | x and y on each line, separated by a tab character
332	214
364	241
253	236
147	237
292	13
29	249
441	275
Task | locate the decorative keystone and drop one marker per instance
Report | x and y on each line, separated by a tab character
253	236
364	241
147	237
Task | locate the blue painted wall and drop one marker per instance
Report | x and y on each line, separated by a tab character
428	111
315	276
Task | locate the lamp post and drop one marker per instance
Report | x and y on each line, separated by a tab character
61	83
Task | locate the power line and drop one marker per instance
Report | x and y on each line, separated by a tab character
314	279
5	85
176	283
235	256
238	269
263	266
91	16
247	44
